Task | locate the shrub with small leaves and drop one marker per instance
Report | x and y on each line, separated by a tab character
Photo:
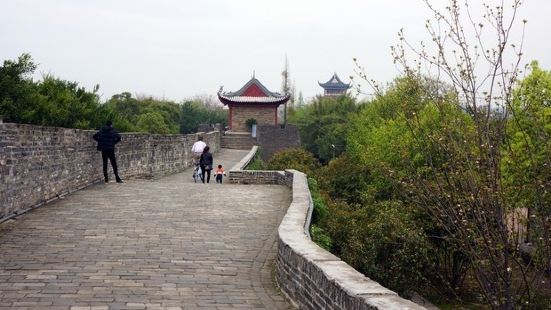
297	159
256	163
319	217
320	237
382	241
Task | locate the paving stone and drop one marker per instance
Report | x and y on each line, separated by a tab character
147	244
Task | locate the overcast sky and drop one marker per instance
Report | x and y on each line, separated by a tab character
177	49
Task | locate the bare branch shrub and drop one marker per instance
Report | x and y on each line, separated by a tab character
473	68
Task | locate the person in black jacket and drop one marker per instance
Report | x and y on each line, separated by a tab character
107	137
205	162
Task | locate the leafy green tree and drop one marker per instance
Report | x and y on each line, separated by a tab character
527	159
323	125
50	102
201	111
125	105
169	111
65	104
344	178
17	89
132	111
57	102
380	138
152	122
461	185
298	159
192	116
383	241
393	138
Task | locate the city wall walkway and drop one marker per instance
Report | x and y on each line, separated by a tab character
147	244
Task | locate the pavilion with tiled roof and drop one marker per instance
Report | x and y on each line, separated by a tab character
253	100
334	87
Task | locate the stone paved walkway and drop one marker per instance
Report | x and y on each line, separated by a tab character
147	244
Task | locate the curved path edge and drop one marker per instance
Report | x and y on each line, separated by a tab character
311	277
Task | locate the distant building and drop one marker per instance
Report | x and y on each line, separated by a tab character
253	100
334	87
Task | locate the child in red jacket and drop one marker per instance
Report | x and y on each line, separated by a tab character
219	174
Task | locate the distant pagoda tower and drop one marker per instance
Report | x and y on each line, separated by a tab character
334	87
253	100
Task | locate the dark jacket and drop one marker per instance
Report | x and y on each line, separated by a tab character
206	160
107	137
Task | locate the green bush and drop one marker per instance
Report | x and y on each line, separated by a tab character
323	125
198	111
152	122
297	159
256	163
320	209
320	237
319	217
48	102
345	179
383	242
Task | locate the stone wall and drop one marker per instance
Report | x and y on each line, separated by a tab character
258	177
273	139
39	164
238	175
263	115
210	127
308	275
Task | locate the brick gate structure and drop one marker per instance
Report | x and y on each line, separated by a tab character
253	100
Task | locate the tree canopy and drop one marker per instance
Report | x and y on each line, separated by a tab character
52	101
323	124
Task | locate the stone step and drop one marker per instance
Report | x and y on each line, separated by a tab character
238	144
237	138
243	143
237	141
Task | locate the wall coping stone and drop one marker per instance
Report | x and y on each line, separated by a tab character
244	162
355	290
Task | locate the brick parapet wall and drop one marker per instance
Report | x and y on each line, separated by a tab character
258	177
39	164
262	115
311	277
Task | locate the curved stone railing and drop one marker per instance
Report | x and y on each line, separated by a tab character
244	162
311	277
39	164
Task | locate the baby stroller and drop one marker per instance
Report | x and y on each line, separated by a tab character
197	173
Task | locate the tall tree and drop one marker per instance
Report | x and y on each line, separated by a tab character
145	113
323	125
199	110
286	88
16	88
50	101
527	162
461	184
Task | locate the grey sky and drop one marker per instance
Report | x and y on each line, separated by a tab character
178	49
